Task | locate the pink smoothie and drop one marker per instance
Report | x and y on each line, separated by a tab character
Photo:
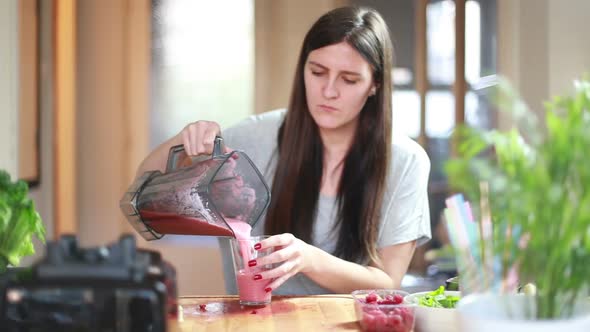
250	290
171	223
241	229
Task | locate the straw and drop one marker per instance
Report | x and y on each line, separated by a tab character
485	229
480	270
462	255
463	236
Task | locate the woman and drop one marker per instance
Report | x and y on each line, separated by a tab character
349	202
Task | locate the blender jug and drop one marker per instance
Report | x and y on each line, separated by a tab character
198	199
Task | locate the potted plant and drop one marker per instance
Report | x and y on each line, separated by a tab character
539	196
19	222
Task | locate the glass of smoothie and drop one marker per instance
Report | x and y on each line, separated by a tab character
252	292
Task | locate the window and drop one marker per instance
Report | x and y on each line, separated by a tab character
202	64
202	68
428	58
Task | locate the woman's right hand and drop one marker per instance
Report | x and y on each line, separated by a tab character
198	137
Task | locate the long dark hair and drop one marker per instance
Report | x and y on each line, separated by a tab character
297	181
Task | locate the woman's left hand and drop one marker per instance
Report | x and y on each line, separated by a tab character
291	255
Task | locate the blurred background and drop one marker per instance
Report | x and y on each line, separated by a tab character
89	87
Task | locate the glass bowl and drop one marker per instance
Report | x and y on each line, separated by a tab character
433	319
383	310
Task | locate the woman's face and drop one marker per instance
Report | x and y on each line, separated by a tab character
338	81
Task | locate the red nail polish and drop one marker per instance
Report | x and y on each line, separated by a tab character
252	263
257	277
267	289
257	246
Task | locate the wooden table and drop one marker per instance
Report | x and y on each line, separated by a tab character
285	313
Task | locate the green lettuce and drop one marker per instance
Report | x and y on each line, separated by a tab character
438	299
19	221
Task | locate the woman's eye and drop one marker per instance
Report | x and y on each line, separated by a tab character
349	81
317	73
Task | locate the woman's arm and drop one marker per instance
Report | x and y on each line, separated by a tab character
342	276
330	272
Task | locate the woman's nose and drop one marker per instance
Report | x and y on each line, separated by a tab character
330	90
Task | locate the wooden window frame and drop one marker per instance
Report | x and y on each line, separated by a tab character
422	85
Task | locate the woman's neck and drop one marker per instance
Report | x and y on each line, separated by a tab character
336	143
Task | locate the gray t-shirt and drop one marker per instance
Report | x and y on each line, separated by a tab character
405	212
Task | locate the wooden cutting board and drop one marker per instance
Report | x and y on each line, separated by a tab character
285	313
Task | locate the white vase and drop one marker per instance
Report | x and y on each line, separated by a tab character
507	313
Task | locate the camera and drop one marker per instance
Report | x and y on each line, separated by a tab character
114	288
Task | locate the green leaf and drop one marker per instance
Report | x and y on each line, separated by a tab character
438	299
19	221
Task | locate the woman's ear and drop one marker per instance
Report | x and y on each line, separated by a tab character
373	89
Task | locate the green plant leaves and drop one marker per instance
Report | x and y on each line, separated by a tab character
539	189
19	221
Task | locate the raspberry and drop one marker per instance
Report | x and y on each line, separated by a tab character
392	299
371	298
407	315
381	322
395	320
386	301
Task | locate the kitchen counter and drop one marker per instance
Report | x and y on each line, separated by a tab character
285	313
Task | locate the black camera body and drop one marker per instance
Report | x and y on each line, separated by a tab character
115	288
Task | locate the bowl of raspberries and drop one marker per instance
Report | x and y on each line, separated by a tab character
383	310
